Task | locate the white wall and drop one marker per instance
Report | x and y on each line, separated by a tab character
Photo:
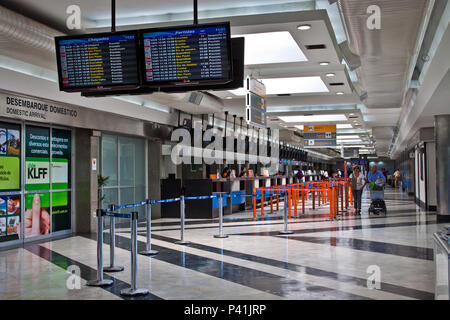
431	173
420	184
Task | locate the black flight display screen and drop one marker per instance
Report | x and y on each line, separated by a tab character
187	55
95	61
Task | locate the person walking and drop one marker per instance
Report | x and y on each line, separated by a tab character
397	176
358	182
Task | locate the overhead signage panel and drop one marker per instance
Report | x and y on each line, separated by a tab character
255	86
256	117
319	128
319	135
255	103
320	143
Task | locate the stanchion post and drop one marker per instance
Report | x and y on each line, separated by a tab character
278	202
288	202
148	246
182	212
313	200
99	282
133	290
221	234
254	203
285	216
112	244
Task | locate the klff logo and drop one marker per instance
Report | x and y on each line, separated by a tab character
37	173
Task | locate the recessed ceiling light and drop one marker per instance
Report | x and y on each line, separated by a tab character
324	63
340	93
229	97
352	114
271	47
314	118
289	85
329	75
304	27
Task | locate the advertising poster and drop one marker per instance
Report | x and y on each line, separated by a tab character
37	214
9	217
61	151
60	211
9	157
37	158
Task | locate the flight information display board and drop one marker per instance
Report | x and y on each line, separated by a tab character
97	60
187	55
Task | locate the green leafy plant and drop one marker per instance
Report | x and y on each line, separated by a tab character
101	181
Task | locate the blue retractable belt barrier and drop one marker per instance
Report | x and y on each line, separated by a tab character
166	200
200	197
128	206
118	215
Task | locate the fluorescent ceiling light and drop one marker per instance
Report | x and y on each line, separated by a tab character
349	141
289	85
271	47
348	137
339	93
324	63
329	75
344	126
314	118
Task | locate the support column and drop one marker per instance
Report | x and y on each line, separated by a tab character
154	174
442	138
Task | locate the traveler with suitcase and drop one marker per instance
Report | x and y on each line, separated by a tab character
377	182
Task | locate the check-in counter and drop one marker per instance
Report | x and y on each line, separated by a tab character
209	208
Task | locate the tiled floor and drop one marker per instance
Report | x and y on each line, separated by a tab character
322	259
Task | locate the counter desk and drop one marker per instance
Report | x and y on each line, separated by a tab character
209	208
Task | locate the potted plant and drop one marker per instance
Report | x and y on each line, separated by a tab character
101	181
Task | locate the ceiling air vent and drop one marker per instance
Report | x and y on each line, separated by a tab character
336	84
284	95
315	46
353	117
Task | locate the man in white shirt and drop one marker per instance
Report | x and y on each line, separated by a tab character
358	182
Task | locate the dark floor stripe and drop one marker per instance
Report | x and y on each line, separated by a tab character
338	228
399	290
293	220
371	246
87	272
259	280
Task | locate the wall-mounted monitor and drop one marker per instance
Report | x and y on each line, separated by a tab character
186	55
98	61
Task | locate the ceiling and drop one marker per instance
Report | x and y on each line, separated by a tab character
386	54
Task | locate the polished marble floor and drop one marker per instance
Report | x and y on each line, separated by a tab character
321	259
